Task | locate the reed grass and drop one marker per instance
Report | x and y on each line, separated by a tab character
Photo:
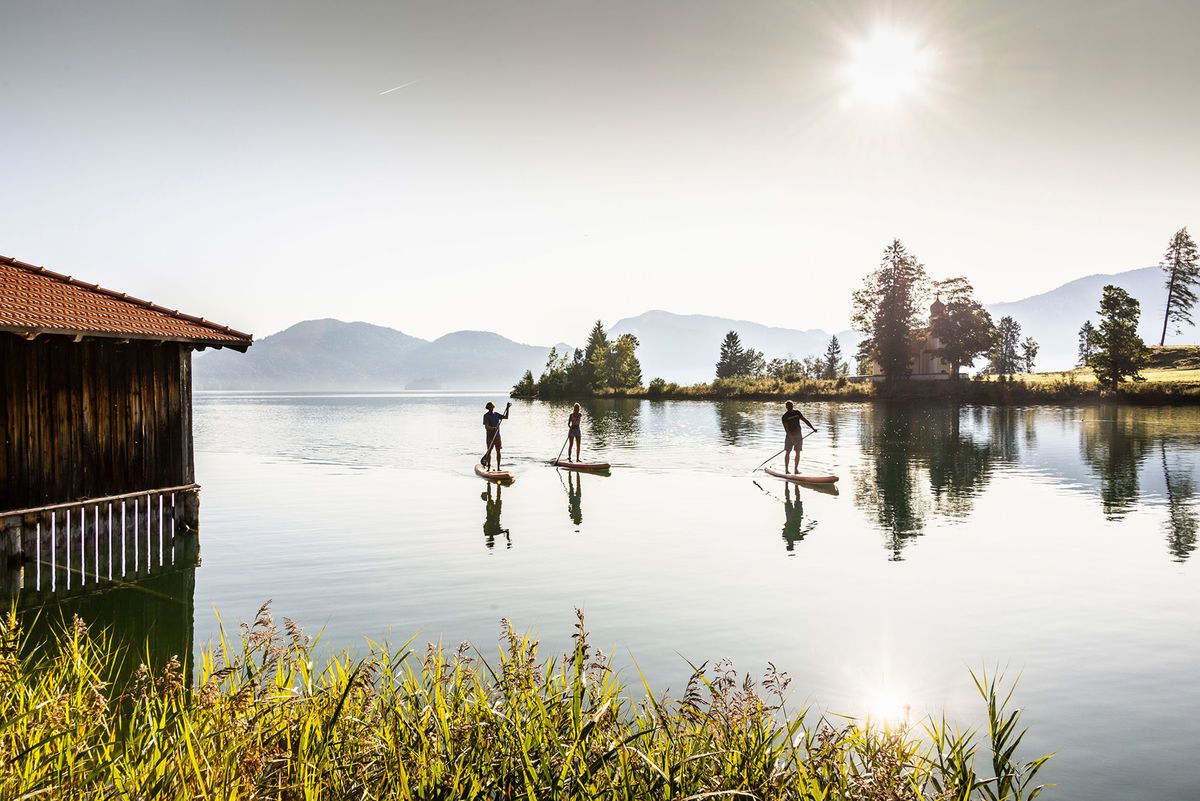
267	720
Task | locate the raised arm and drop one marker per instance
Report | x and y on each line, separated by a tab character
507	406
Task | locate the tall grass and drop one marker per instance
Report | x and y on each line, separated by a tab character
266	720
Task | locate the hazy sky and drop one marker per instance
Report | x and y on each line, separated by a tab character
549	163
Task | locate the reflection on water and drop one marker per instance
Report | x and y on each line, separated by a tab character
574	496
1181	522
1115	448
794	526
493	505
738	419
152	617
358	516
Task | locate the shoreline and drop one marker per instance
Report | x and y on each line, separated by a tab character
968	391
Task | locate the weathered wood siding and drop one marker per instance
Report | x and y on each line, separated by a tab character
93	418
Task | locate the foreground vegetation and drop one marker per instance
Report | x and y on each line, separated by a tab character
267	721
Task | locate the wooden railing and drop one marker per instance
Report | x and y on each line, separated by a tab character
70	547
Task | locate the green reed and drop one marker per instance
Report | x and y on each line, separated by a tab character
267	720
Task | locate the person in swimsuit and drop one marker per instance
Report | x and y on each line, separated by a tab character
491	425
574	435
793	438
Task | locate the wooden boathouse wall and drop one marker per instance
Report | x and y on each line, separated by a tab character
90	418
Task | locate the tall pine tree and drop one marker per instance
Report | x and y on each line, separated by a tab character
832	366
732	356
887	307
1181	263
596	357
1118	353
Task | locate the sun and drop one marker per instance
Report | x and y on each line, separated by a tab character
886	68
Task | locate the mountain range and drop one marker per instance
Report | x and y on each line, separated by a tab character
331	354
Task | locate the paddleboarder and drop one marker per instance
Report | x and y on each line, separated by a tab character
793	437
491	425
574	434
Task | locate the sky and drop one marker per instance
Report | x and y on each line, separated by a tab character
542	165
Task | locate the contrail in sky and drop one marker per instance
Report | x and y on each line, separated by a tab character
401	86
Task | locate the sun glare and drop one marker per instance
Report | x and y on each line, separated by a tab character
886	68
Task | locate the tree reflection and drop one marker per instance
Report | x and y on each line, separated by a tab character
737	419
887	486
612	421
1181	523
958	465
1114	448
920	461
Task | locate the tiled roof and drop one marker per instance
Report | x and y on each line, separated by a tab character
34	300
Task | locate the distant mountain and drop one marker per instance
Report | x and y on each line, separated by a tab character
331	354
684	347
1053	318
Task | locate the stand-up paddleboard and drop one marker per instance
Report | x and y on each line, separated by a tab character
800	479
569	465
492	475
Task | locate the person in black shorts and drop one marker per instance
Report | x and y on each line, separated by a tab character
574	434
793	438
491	427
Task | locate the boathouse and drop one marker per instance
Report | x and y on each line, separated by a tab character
95	409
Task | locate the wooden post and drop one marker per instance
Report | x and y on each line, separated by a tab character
11	558
191	512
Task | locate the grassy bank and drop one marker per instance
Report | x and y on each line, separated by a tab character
1172	377
1023	389
267	721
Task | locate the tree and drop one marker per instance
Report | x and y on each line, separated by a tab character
963	328
786	369
1005	359
833	363
596	356
754	364
732	356
886	310
525	388
1181	263
626	371
1118	353
1086	332
1029	352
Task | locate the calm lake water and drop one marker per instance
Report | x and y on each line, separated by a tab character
1056	543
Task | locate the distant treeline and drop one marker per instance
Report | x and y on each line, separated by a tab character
888	310
601	365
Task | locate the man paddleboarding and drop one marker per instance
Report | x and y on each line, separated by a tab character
793	437
491	425
574	433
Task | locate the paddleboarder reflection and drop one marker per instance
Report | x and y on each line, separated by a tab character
575	498
794	527
491	523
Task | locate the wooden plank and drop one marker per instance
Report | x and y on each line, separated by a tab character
156	537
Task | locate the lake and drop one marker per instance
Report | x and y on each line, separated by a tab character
1054	543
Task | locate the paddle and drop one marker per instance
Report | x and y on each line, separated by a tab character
781	450
560	450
